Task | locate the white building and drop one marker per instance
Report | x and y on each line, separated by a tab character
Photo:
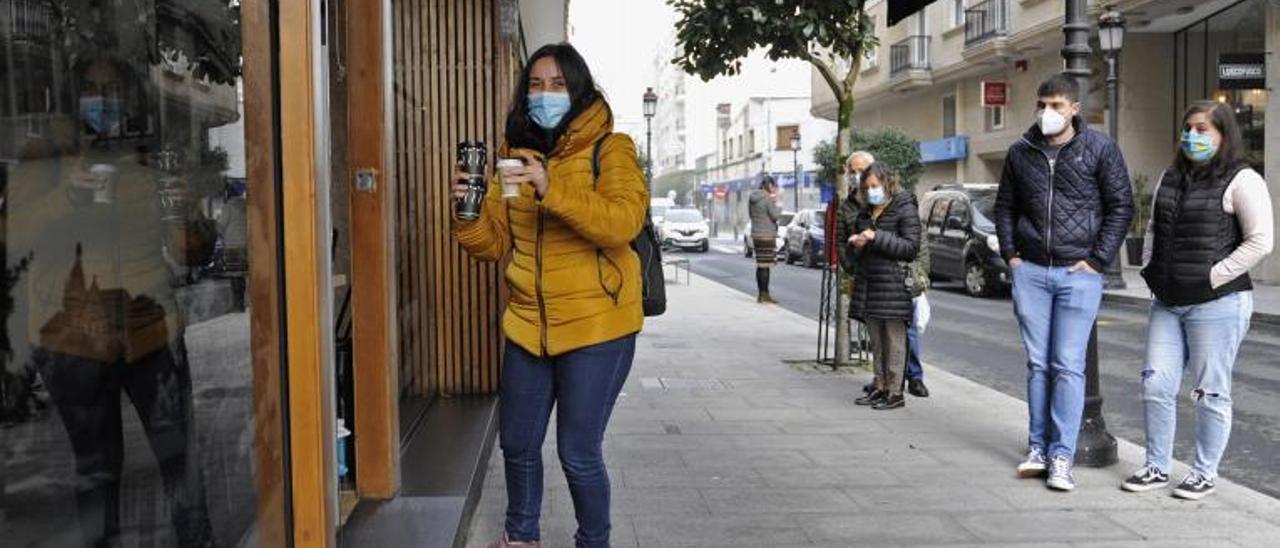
758	139
926	79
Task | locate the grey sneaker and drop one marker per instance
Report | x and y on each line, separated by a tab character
1060	474
1194	487
1146	479
506	542
1034	466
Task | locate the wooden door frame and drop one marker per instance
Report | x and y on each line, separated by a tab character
265	284
308	305
370	142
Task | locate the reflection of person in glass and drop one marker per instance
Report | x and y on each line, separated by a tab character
114	248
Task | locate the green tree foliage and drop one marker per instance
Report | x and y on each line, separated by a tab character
713	36
894	148
680	181
830	165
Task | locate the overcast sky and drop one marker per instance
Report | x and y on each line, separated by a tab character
619	39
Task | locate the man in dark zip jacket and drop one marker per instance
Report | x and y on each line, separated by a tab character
1062	211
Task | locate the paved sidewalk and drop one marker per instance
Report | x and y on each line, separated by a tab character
719	442
1266	298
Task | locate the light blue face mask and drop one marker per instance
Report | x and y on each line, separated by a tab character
1198	147
875	196
548	109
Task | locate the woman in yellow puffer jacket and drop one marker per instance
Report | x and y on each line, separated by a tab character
575	291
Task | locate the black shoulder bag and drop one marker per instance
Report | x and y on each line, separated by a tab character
652	278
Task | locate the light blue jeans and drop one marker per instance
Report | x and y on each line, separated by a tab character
1202	339
1056	309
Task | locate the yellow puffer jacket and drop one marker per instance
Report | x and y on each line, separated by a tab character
574	279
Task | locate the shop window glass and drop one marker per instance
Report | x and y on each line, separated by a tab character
127	382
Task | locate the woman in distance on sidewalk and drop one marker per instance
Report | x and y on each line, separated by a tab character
884	235
575	290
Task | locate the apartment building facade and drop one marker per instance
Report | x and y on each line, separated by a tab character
927	77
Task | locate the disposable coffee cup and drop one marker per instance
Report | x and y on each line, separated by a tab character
509	190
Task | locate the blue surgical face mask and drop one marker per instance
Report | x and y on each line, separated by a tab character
100	113
548	109
875	196
1198	147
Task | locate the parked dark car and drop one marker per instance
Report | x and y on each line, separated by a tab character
962	237
806	238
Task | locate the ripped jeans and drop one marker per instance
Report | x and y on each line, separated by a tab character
1202	339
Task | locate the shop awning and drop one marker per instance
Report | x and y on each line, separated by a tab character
902	9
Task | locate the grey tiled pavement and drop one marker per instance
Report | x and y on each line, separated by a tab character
720	440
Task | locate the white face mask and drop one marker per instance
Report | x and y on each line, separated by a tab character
1051	122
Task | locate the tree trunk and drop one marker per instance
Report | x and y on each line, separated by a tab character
844	141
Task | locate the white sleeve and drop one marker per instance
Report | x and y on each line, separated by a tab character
1248	198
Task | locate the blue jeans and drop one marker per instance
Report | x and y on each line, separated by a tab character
1202	338
914	371
1056	309
583	386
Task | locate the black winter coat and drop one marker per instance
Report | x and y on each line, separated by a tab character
1057	213
880	268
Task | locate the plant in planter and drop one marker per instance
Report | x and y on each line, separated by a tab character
1142	195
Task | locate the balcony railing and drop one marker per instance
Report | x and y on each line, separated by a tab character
909	54
986	20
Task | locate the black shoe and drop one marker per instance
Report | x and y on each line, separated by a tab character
916	388
1146	479
890	402
868	388
1194	487
875	397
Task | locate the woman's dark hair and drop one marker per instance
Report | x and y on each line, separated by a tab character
522	131
767	182
1230	151
888	179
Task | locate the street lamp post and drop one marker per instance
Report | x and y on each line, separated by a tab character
795	166
650	108
1095	446
1111	38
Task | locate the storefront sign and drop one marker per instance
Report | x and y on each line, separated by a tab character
1242	71
944	150
995	94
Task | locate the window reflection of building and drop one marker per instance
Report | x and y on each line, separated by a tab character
128	320
1199	51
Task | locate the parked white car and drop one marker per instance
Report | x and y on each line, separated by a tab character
686	229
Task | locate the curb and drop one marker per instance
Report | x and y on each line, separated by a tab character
1263	318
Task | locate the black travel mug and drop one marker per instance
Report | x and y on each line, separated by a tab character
471	158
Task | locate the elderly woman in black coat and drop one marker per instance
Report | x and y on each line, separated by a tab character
883	239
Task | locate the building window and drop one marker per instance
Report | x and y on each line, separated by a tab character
957	13
995	118
751	142
784	137
740	149
949	116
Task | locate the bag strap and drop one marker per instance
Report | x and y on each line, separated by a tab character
595	161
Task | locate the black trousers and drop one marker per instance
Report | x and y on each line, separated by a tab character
87	393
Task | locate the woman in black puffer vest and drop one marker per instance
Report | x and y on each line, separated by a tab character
1211	223
884	238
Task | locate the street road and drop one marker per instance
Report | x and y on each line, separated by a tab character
978	339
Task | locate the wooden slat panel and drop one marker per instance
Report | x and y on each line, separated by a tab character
452	84
264	274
